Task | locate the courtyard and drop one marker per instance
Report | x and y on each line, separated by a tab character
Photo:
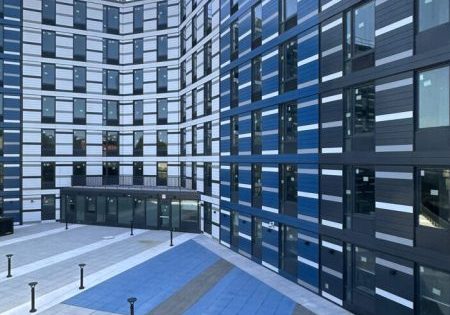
195	276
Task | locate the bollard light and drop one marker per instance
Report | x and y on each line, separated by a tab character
132	300
9	256
81	275
33	296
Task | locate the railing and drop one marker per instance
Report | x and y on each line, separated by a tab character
126	180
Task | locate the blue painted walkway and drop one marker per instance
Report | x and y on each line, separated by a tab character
161	277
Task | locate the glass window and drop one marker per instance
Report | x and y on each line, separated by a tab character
434	291
2	38
111	81
48	142
79	79
162	15
111	51
257	25
48	44
234	88
194	31
288	128
110	143
138	19
138	51
162	48
435	198
234	135
207	54
433	13
110	113
48	109
207	98
49	12
194	140
162	143
161	179
434	98
138	81
138	112
48	76
288	15
194	66
79	47
288	189
162	111
256	186
194	103
110	177
256	132
289	250
234	6
182	9
183	41
79	14
364	195
79	174
288	66
162	79
364	262
48	175
194	175
111	19
207	18
1	106
207	175
207	138
183	141
256	79
183	74
138	143
79	142
183	108
234	45
79	111
234	182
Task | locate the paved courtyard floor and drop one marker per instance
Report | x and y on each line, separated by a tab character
195	276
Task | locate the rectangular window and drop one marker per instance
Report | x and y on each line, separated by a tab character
183	74
234	182
161	179
49	12
162	79
207	98
194	175
162	48
207	18
138	112
364	191
194	31
288	14
79	47
256	79
234	143
79	14
162	143
183	41
234	6
360	37
138	81
162	15
207	175
194	67
111	177
207	55
434	291
207	138
48	109
256	132
234	88
138	51
256	25
194	103
194	140
288	252
111	51
138	19
434	203
364	264
183	108
48	76
183	141
48	142
111	82
138	173
162	111
110	143
47	175
79	174
48	44
434	97
256	186
2	38
79	79
288	66
1	106
111	19
110	113
79	142
182	10
433	13
138	143
288	128
79	111
234	37
288	189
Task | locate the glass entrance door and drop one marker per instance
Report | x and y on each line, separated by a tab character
164	214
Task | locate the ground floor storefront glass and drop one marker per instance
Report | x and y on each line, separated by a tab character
147	211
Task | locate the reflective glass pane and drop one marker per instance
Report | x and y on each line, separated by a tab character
433	13
435	198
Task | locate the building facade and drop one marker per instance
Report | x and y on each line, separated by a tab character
312	134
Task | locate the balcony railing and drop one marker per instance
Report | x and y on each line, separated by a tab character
126	180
